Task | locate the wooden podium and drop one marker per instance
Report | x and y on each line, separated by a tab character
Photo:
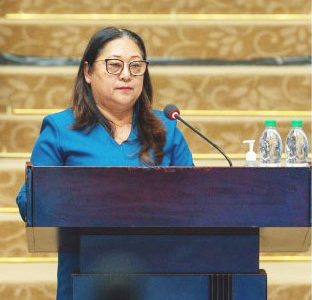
164	233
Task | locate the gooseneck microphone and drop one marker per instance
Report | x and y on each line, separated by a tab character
172	112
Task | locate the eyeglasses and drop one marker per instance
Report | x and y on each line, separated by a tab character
115	66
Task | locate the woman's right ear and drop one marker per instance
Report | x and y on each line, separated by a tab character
87	72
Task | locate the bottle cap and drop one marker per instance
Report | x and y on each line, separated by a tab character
296	123
270	123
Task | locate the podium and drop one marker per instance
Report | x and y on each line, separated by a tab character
175	233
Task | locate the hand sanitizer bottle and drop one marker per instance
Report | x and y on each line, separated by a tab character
251	157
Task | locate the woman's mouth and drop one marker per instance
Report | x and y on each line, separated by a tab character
124	88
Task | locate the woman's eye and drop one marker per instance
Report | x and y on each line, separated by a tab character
115	65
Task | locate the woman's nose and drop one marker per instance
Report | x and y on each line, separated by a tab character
125	73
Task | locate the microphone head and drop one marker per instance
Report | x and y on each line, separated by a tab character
171	112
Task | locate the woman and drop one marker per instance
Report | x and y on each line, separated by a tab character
111	123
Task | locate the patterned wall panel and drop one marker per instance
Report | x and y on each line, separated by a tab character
18	135
285	90
10	182
234	92
13	241
289	292
229	132
28	291
202	39
36	90
160	6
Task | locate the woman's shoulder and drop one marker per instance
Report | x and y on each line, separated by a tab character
167	122
61	118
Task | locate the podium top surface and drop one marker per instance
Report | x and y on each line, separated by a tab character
179	197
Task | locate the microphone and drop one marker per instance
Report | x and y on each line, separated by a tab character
173	113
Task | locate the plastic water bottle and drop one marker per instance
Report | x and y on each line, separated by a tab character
270	146
297	147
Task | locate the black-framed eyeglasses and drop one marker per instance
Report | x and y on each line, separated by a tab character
115	66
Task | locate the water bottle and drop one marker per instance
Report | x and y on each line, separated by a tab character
270	146
297	147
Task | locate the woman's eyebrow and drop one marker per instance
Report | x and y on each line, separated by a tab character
133	56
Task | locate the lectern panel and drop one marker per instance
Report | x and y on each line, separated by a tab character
171	287
170	197
217	252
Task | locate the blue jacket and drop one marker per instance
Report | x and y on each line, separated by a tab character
59	145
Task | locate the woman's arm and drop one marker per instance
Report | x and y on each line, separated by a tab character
181	155
47	152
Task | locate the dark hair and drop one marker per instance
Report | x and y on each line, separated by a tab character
151	133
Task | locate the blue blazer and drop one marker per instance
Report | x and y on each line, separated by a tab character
59	145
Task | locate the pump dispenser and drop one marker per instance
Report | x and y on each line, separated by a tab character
251	157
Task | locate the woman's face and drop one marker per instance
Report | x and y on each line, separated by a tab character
115	92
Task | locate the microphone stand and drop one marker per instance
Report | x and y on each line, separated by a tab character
205	138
